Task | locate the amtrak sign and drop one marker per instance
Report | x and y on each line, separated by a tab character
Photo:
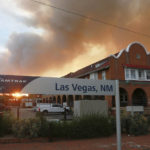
70	86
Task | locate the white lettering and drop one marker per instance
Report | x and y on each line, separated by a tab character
16	80
7	80
2	80
12	80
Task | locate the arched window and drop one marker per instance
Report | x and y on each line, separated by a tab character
123	97
64	98
87	97
78	97
98	97
54	99
139	98
58	100
70	100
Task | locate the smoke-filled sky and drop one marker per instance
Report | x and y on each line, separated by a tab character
39	40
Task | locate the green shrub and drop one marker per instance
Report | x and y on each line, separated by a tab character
6	122
138	125
148	119
26	128
30	128
134	125
44	126
84	127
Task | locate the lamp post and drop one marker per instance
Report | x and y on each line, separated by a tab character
17	97
18	109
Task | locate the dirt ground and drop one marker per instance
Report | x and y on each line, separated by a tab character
128	143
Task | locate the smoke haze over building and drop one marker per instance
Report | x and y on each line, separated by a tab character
66	40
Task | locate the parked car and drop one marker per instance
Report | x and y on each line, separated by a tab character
50	108
3	107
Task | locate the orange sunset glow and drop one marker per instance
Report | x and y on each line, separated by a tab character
46	41
18	95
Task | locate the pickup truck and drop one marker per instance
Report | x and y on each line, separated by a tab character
51	108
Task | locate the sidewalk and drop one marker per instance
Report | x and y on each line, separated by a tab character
128	143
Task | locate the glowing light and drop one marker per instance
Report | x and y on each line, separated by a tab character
19	94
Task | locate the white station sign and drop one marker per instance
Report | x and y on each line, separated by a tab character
70	86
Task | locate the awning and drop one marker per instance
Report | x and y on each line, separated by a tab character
136	66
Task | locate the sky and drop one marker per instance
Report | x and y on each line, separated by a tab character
39	40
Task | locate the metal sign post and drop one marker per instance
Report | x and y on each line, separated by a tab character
118	124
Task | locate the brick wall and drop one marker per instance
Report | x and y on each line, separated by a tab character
136	55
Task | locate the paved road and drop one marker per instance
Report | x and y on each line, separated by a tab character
128	143
25	113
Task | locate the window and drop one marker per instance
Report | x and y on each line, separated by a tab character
46	100
141	74
123	97
133	74
100	64
127	73
148	74
103	75
56	105
94	75
138	56
137	74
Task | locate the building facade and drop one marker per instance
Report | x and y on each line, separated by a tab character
131	66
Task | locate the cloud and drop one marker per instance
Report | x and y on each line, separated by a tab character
65	34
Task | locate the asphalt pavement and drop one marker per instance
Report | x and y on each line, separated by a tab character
107	143
25	113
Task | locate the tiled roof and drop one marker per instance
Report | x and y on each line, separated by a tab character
89	69
102	64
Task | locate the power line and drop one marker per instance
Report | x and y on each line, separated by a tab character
91	18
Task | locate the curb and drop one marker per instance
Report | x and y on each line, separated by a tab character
22	140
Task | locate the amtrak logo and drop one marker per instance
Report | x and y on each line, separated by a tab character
12	83
3	80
